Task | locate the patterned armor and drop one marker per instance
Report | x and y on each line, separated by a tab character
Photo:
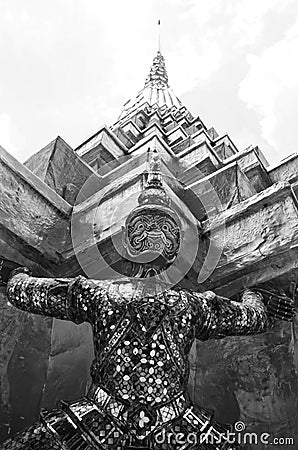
142	339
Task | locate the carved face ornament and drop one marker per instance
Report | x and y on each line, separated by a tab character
152	231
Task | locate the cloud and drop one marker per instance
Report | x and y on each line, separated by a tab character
130	40
273	75
200	11
239	22
100	110
214	30
248	18
66	73
188	64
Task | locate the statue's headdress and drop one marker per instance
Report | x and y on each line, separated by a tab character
152	233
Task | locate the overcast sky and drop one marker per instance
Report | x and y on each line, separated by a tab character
68	66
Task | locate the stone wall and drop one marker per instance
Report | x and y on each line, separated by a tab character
25	342
252	379
41	361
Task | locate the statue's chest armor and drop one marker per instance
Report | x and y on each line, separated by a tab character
131	315
144	307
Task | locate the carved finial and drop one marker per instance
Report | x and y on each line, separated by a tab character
154	166
154	192
158	76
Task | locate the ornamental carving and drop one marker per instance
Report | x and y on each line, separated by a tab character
152	232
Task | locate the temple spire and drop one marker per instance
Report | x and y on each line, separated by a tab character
156	91
158	76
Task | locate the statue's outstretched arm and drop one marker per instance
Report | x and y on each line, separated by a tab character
62	298
224	317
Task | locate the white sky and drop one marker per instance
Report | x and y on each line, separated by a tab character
67	67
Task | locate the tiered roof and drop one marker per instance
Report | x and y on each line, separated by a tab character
196	162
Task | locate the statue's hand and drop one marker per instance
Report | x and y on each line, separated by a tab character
8	269
279	306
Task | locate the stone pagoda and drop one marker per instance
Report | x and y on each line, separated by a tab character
62	213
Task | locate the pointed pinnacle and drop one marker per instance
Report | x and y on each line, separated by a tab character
158	76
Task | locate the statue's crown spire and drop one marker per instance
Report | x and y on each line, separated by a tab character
158	76
154	192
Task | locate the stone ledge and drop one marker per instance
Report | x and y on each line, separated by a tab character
34	182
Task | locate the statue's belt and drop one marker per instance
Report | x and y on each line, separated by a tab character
102	420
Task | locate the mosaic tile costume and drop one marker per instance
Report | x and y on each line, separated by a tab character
140	371
142	333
